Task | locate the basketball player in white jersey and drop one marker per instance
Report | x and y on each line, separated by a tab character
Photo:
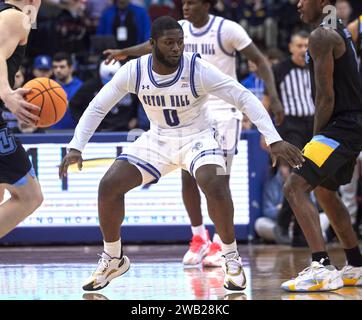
217	40
173	88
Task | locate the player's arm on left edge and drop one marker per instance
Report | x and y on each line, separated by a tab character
252	53
321	46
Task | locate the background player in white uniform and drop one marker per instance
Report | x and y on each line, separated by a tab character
217	40
173	88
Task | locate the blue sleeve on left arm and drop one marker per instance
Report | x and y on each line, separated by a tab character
146	27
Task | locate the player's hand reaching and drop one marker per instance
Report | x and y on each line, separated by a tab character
113	55
15	102
73	156
277	110
288	152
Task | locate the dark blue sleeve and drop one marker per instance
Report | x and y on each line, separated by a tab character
145	33
101	28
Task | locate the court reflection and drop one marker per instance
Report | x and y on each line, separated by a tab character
144	281
156	274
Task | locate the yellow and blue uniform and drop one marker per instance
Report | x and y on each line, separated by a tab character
331	155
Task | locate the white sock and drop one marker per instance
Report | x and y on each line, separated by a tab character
113	249
228	248
199	231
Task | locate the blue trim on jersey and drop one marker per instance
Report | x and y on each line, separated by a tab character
219	40
192	74
24	180
169	83
138	75
328	141
234	149
203	154
141	163
204	32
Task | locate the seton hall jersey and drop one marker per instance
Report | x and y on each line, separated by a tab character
171	102
217	42
174	103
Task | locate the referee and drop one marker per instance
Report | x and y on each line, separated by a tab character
294	89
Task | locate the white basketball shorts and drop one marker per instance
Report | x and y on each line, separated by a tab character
155	155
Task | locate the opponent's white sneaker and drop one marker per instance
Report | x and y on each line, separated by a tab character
317	277
108	269
213	257
351	276
197	251
234	276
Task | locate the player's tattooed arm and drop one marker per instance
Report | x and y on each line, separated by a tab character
322	45
252	53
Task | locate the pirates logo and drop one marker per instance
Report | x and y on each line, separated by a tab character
197	146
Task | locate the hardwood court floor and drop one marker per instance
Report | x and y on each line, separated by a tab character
57	273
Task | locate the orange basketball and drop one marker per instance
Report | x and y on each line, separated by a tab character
50	97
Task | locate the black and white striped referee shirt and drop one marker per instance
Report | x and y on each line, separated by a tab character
294	88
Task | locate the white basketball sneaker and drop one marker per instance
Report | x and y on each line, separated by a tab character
197	251
351	276
108	269
234	276
317	277
214	255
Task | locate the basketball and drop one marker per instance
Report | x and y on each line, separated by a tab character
50	97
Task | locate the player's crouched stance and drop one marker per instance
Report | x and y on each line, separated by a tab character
173	88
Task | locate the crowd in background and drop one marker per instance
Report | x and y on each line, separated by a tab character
79	31
70	36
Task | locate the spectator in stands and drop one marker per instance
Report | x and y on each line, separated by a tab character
272	204
42	39
253	81
255	17
344	11
63	74
158	8
294	89
129	23
288	21
122	117
70	28
94	10
267	226
42	67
